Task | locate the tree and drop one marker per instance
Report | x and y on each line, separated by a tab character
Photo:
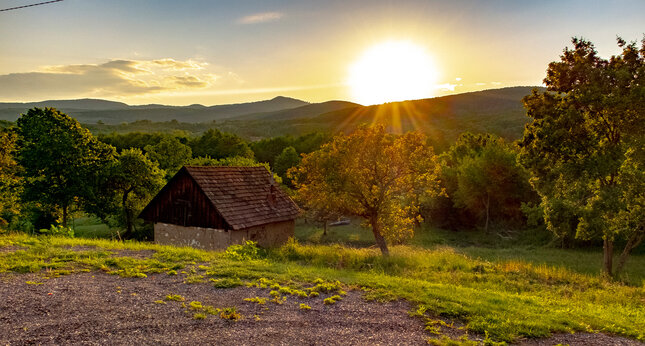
584	145
135	179
170	153
370	174
9	178
492	182
266	150
62	161
283	162
483	182
219	145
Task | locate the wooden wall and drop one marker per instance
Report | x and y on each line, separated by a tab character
183	203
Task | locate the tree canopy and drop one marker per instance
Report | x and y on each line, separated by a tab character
218	145
170	153
371	174
9	177
583	146
62	161
135	179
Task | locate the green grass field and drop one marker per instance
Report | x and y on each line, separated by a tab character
507	293
478	245
92	227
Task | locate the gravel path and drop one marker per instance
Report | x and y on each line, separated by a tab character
96	308
99	309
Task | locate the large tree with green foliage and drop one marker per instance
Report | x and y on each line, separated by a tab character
483	183
62	161
584	146
491	184
373	175
9	178
218	145
288	158
135	179
170	153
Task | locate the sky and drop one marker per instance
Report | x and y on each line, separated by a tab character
217	52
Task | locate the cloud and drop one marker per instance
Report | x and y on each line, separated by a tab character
447	86
260	18
114	78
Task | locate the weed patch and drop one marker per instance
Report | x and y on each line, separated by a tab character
257	300
175	297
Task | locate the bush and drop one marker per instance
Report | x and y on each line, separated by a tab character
244	252
57	231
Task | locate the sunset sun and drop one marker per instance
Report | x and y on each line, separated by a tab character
392	71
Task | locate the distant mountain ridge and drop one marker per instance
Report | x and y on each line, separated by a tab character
498	111
111	112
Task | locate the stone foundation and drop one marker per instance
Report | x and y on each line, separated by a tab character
269	235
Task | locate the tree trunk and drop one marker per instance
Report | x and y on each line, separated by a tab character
128	218
487	212
380	240
608	252
325	227
65	215
632	243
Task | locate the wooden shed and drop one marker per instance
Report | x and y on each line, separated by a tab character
214	207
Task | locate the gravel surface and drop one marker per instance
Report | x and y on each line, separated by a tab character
96	308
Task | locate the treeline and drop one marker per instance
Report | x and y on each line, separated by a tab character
52	167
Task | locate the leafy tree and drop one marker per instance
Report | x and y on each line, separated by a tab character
584	145
283	162
266	150
483	183
218	145
62	161
170	153
370	174
133	139
9	178
135	179
310	142
493	180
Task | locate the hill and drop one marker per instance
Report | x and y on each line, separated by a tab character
498	111
109	112
306	111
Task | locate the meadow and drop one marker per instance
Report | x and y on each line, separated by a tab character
507	293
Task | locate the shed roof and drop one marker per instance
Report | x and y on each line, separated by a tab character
244	196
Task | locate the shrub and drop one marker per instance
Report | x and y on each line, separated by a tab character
57	231
244	252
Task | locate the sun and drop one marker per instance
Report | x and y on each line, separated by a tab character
392	71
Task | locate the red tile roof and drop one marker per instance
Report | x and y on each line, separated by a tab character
244	196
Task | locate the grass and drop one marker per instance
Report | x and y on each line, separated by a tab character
492	291
520	246
92	227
